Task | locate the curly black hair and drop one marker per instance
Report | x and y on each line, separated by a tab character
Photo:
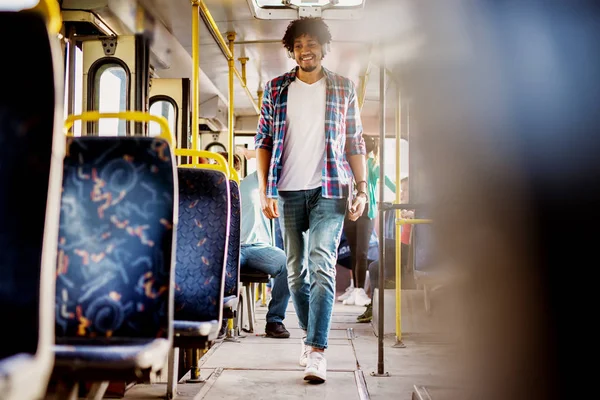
313	26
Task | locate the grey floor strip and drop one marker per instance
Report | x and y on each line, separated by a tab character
361	385
359	376
209	384
420	393
350	333
209	353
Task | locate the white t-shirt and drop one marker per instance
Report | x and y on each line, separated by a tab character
304	144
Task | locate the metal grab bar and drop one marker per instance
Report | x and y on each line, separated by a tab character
51	10
225	49
136	116
222	164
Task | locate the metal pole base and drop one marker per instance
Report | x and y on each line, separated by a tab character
377	375
195	370
398	344
196	380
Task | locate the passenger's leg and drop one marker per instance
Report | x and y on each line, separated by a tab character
367	316
350	231
374	276
364	228
270	260
294	224
326	219
363	236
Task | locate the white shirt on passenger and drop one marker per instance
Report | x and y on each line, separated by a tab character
304	143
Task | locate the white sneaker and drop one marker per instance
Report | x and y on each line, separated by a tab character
316	370
350	299
346	294
304	353
361	298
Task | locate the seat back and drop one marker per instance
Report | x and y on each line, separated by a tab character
202	244
232	274
31	150
117	223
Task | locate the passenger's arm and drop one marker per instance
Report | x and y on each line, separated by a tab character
357	163
263	142
388	182
268	205
355	152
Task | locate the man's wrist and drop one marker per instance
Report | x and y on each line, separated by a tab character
361	186
362	193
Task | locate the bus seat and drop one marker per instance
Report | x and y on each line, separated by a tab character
249	277
201	252
232	274
114	297
202	240
31	151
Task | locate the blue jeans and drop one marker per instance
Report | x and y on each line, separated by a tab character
270	260
311	226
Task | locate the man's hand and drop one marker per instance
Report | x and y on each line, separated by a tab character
269	206
357	207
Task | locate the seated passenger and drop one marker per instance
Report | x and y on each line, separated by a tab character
257	252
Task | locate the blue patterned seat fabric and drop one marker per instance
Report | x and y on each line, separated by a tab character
26	131
202	238
115	240
233	252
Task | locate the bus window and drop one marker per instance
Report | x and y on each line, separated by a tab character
111	95
163	108
248	143
390	164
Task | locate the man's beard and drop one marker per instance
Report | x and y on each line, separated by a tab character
308	69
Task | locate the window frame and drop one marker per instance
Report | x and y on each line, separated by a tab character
93	100
162	97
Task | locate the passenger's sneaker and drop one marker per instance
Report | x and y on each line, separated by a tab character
304	353
367	316
349	301
346	294
276	330
361	298
316	370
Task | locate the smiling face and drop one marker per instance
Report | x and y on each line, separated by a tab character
308	53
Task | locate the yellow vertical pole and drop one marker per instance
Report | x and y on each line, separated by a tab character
243	61
361	91
231	62
398	216
195	72
263	293
259	93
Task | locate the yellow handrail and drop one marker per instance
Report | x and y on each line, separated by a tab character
137	116
51	10
416	221
220	166
398	260
195	73
225	49
230	113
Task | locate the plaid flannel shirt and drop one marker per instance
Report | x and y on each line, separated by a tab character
343	131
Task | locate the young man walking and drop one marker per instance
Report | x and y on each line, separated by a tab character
309	148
